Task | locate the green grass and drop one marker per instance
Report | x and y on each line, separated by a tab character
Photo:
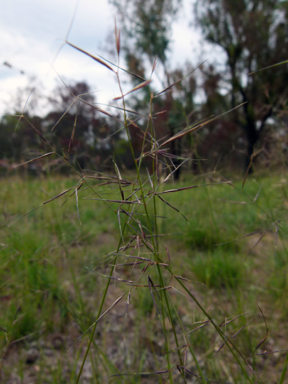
218	269
48	282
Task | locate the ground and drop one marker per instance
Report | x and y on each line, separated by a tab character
230	252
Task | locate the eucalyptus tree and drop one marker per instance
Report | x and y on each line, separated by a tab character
252	34
146	28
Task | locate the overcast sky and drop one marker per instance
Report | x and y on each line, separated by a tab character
32	32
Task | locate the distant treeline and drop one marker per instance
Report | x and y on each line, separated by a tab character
249	84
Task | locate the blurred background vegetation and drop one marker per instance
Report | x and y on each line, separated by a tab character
251	35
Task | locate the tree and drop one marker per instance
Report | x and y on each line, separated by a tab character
73	127
78	130
146	26
253	34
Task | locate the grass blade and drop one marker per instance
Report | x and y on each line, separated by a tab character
283	374
193	128
91	56
267	331
36	158
57	196
77	205
270	66
178	81
171	206
142	85
123	69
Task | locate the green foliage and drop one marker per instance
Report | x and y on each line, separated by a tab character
122	154
145	302
218	269
250	34
20	321
148	25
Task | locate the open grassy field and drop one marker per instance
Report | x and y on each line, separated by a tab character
229	243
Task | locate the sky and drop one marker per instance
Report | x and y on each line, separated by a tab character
33	31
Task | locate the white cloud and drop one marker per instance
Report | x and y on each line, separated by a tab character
32	31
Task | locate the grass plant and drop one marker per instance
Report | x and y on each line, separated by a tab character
140	295
48	281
